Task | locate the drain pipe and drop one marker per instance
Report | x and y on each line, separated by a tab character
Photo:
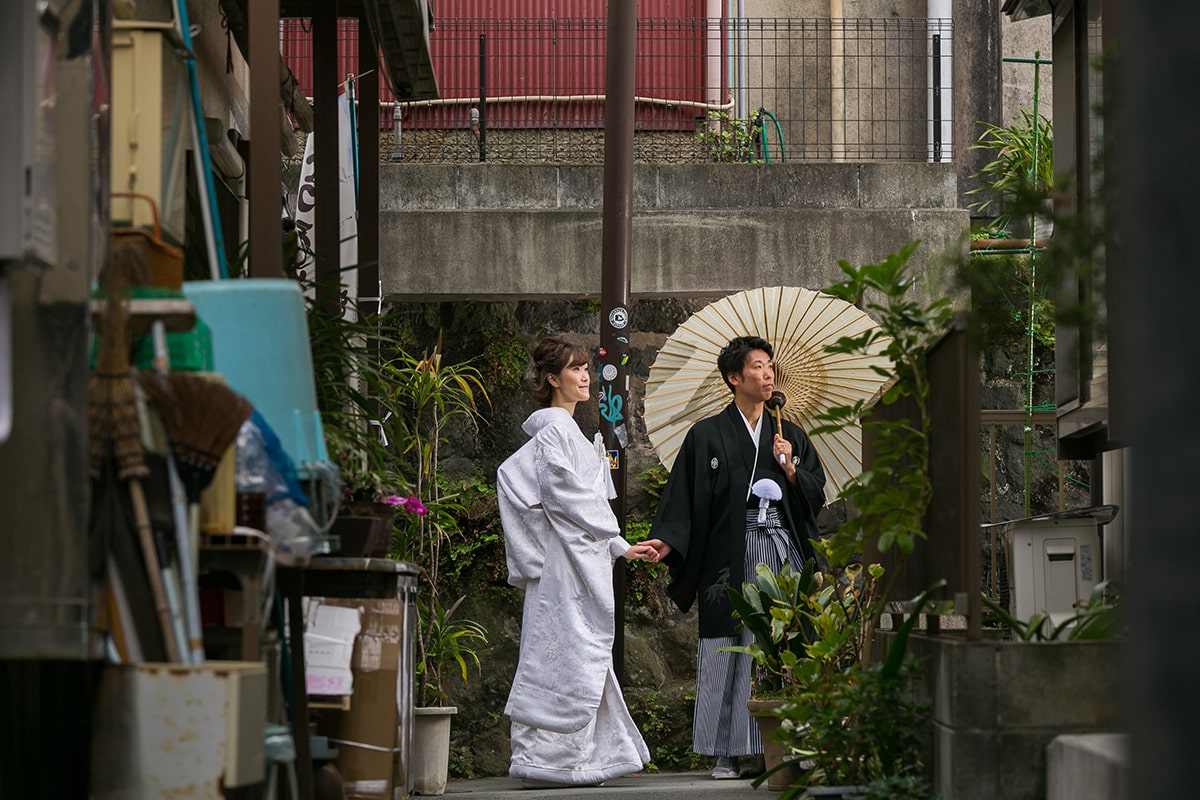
837	80
742	68
397	132
939	14
712	55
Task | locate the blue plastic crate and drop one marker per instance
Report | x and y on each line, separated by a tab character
260	345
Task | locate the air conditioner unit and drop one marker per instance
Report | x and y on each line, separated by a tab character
29	135
1054	561
151	124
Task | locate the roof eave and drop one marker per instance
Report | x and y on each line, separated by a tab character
1018	10
401	29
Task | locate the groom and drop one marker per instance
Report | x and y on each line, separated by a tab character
740	493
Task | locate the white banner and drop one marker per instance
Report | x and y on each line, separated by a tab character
347	203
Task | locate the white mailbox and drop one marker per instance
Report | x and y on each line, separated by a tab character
1054	561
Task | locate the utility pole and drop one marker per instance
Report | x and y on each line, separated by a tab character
616	254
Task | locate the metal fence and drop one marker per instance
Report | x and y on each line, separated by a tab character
773	90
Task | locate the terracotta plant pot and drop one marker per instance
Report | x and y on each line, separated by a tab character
357	536
773	751
374	543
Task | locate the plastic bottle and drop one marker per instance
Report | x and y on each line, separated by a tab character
250	477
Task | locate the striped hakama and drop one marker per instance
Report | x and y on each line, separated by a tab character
722	725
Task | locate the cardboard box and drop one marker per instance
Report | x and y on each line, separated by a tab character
330	631
366	735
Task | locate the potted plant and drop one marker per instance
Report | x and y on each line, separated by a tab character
353	399
773	609
850	720
809	630
730	139
449	648
427	395
385	414
1022	168
853	725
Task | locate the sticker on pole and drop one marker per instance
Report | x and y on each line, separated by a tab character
618	317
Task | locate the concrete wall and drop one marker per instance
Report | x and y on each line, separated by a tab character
489	231
997	705
821	8
1024	39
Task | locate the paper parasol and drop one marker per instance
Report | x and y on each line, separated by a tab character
684	385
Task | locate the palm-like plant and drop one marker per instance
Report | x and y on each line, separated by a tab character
352	396
449	643
427	394
773	609
1099	619
1023	166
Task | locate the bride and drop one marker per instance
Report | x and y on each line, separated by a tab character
570	725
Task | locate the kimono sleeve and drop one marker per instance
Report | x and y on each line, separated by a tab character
576	509
810	475
673	520
521	516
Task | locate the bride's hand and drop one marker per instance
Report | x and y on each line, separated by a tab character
640	552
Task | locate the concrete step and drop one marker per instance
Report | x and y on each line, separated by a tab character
641	786
1093	766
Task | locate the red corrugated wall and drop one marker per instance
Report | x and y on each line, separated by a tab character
538	53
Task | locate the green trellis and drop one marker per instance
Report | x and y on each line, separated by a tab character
1034	292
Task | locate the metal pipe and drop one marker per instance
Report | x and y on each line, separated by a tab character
616	255
712	60
939	14
837	80
265	171
1033	285
205	188
742	66
667	102
397	115
327	210
482	97
368	178
730	52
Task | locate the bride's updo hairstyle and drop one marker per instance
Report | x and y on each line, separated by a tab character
551	356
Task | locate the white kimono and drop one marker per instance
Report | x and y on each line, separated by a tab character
570	724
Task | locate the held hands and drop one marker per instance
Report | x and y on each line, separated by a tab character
642	551
654	550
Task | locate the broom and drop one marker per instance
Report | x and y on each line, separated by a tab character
202	416
115	428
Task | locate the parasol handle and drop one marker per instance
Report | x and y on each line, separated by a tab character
775	404
779	428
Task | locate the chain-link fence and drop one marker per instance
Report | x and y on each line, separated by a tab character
769	90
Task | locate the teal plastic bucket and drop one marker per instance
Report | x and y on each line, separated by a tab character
260	345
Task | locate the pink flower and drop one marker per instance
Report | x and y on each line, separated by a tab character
412	504
393	500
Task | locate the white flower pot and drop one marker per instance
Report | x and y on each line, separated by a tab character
431	749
